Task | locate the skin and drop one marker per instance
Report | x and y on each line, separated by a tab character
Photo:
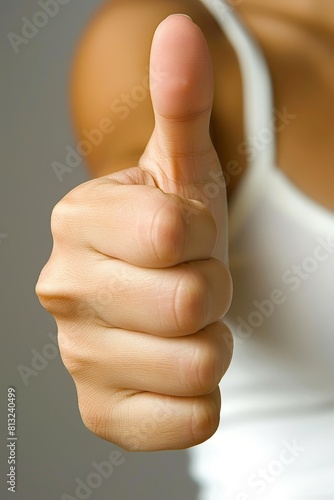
138	279
298	41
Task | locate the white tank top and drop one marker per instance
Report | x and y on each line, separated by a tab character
276	437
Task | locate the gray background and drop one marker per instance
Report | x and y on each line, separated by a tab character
54	447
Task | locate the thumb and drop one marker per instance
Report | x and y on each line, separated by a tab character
180	155
181	85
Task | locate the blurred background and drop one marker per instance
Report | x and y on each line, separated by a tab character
57	457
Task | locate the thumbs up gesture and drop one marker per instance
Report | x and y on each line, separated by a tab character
138	280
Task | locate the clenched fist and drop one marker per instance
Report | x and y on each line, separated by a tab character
138	278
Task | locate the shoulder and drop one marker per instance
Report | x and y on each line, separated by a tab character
110	74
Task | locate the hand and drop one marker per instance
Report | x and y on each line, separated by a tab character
138	280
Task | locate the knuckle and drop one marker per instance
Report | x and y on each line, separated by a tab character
71	214
82	192
204	421
57	293
64	218
168	232
58	216
191	301
68	212
44	289
102	415
202	368
77	358
41	289
94	418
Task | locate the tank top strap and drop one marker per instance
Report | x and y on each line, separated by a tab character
259	124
